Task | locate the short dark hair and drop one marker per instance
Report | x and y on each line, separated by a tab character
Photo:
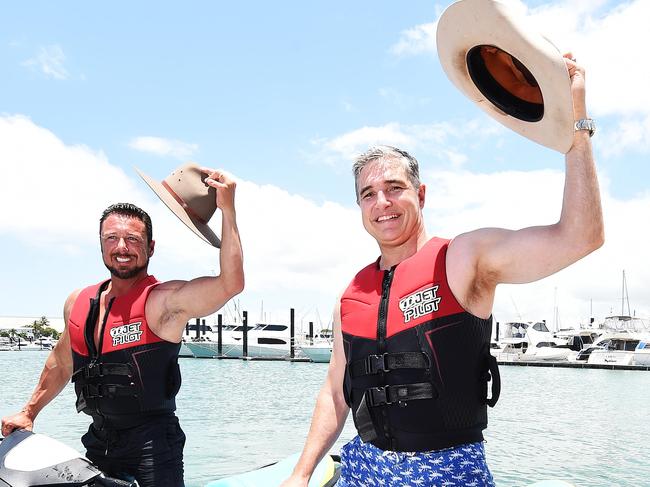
128	209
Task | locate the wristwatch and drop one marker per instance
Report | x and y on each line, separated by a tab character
586	124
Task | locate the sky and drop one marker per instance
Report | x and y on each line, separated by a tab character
283	95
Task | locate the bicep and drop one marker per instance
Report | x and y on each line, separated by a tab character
518	256
61	355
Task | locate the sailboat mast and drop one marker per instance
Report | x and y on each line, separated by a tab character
623	295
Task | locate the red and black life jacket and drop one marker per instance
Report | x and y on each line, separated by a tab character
418	364
133	374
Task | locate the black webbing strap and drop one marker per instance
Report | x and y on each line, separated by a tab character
363	422
496	381
92	371
378	396
373	364
90	391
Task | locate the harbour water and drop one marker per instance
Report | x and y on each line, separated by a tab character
588	427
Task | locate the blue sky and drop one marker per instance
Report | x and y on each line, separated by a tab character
283	95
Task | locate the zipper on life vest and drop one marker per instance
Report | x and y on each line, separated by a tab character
97	353
383	308
381	339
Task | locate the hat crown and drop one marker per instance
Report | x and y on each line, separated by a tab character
186	184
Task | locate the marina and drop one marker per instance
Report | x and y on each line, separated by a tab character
588	426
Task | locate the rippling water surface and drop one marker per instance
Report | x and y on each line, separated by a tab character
589	427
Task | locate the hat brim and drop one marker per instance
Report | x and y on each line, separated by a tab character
467	24
199	228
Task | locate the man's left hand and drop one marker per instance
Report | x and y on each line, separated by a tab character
225	185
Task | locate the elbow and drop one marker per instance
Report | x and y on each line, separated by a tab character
594	240
235	284
597	235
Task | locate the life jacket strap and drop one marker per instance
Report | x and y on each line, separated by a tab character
496	381
92	391
373	364
393	394
92	371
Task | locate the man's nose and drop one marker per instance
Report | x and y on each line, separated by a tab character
382	199
121	243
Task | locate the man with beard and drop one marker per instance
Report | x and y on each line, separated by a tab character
121	341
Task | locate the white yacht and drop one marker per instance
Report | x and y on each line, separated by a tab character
318	348
528	342
615	349
207	345
38	345
642	353
264	340
5	344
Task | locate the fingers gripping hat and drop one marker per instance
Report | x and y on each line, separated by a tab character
189	197
509	70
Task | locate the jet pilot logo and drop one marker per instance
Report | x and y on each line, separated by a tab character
126	333
419	303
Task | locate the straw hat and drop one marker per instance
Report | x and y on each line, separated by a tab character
509	70
186	194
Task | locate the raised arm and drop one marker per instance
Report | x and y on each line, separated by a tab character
173	303
55	375
478	261
329	414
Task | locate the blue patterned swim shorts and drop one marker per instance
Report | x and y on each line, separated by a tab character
364	465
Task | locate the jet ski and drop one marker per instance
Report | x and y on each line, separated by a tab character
30	459
326	474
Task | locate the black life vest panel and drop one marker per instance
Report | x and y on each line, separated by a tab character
417	363
133	374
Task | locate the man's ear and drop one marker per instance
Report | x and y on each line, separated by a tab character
152	244
421	195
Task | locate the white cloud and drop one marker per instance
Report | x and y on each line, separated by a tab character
631	133
444	140
49	61
611	43
417	40
461	201
164	147
297	252
51	180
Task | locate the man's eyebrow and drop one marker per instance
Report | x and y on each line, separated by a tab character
364	189
386	182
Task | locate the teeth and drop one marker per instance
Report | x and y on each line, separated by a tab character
386	217
123	259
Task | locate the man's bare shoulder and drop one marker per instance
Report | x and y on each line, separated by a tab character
167	286
69	303
470	243
469	277
72	298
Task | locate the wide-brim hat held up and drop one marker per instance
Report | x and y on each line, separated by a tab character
512	72
185	192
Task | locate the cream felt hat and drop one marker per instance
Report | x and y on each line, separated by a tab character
190	199
508	69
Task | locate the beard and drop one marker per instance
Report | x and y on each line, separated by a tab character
128	273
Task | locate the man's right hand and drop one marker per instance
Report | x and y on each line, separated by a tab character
19	420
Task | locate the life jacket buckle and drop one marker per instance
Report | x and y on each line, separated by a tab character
376	363
378	396
91	391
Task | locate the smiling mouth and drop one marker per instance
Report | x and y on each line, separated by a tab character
384	218
123	260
